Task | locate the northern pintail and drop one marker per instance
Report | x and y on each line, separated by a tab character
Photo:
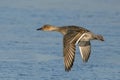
74	35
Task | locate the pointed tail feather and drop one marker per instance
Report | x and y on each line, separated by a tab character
99	37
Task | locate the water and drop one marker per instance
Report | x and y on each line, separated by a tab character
27	54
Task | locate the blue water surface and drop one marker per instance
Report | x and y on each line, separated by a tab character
27	54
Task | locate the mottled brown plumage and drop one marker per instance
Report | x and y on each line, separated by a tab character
74	35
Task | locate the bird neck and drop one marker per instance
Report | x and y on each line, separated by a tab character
54	28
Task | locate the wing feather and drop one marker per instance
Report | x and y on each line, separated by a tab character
69	51
69	48
85	50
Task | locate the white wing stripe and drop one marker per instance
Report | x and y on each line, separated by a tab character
81	52
79	38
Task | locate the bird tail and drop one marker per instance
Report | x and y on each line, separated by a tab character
99	37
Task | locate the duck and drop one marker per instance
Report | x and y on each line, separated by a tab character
74	36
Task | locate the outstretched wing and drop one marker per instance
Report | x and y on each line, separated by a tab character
69	41
85	49
84	45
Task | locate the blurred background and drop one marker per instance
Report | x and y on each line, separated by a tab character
27	54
